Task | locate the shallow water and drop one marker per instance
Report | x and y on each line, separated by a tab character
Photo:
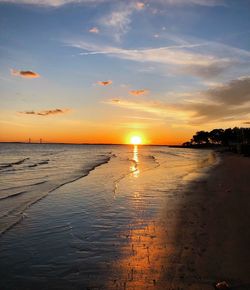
100	224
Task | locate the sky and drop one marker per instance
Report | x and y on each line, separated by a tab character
101	71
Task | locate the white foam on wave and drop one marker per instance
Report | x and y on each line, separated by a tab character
17	193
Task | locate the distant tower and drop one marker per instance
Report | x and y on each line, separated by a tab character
29	140
41	140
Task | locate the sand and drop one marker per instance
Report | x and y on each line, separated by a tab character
210	241
199	235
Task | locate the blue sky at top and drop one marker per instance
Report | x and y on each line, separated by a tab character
184	54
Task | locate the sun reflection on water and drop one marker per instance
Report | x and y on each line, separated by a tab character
142	262
134	168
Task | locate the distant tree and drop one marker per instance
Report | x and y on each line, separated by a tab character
201	137
227	136
232	136
246	135
219	136
216	136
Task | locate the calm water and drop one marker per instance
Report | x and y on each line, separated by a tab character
86	216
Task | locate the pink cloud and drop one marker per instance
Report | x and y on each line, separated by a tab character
138	92
140	5
25	74
104	83
94	30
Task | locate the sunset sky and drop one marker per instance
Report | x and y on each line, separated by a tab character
102	71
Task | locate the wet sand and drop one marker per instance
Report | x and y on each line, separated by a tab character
209	242
148	233
202	238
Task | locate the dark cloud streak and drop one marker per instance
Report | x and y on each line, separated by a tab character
222	103
104	83
25	74
46	112
236	92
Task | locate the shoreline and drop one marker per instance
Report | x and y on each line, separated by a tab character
197	236
89	144
211	237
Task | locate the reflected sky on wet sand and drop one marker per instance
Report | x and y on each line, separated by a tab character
112	229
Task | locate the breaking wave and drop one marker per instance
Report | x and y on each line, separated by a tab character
14	200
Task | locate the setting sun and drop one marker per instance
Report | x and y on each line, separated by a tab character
135	140
107	107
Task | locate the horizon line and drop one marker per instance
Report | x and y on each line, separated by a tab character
67	143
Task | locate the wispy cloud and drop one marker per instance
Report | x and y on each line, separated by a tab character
104	83
161	109
119	19
140	5
25	74
236	92
163	55
94	30
230	101
138	92
46	112
224	103
54	3
211	70
191	2
181	57
144	118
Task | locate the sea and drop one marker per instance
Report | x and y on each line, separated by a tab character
90	216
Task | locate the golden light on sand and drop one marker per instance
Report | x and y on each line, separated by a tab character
136	140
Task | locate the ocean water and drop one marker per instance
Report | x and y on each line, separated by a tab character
89	216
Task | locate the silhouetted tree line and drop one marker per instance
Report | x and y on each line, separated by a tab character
227	137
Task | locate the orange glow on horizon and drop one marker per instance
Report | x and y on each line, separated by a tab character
67	131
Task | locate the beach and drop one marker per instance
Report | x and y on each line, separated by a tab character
204	237
125	145
212	236
138	218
